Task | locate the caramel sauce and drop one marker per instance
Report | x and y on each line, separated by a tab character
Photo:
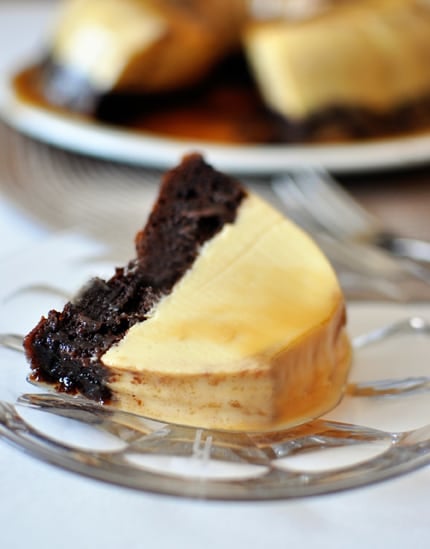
25	87
227	109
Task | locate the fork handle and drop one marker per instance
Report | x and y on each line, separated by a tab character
409	248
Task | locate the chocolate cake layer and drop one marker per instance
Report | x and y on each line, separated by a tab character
64	349
194	203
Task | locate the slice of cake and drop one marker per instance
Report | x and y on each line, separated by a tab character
146	46
230	317
363	64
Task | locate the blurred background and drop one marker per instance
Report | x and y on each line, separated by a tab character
59	189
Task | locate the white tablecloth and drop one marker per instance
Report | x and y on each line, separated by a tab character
42	506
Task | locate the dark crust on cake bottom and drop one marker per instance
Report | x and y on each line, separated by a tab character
65	349
343	123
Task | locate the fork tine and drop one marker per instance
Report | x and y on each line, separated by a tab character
342	203
11	341
293	203
115	422
317	194
319	202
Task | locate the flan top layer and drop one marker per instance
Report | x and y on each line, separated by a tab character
256	287
252	337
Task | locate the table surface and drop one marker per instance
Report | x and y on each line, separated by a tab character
42	506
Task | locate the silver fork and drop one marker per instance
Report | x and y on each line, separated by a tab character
335	212
340	228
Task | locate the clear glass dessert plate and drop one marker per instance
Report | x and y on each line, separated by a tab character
378	431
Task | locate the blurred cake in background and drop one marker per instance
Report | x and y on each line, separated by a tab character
142	46
242	71
362	66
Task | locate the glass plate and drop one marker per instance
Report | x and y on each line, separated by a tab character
378	431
